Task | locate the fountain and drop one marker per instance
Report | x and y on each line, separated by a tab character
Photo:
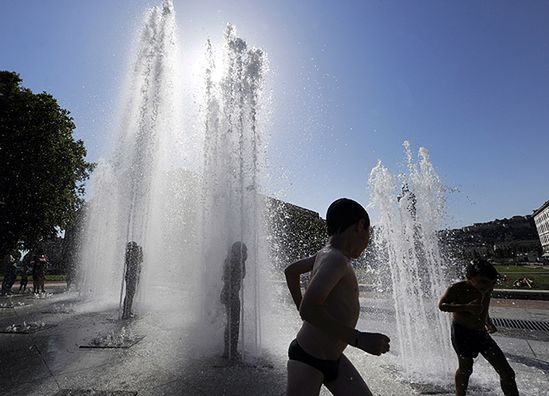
130	190
184	220
232	208
407	239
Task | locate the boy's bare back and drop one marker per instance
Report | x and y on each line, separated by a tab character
333	284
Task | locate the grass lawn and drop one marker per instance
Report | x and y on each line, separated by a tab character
540	276
49	278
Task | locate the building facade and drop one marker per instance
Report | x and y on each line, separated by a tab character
541	218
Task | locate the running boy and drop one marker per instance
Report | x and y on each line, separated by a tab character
469	301
329	309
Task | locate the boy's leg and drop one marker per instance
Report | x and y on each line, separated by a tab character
463	373
125	307
130	295
303	380
226	332
348	381
499	362
235	326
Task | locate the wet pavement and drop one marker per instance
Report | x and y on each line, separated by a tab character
51	360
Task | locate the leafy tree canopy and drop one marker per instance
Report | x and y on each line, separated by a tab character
42	167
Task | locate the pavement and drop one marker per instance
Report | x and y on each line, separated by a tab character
176	358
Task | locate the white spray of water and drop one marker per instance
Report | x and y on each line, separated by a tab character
140	193
232	208
411	211
185	222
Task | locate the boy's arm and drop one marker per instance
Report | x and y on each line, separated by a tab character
293	273
226	269
489	325
447	303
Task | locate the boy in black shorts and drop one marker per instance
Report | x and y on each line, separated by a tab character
330	308
469	301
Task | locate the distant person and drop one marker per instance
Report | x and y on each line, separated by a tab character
469	301
132	262
524	282
10	274
330	308
39	271
234	271
24	278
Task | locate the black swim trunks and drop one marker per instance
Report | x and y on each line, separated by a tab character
329	368
469	342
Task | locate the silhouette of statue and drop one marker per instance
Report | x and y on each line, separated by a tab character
234	271
133	261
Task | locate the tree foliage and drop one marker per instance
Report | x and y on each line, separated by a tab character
42	167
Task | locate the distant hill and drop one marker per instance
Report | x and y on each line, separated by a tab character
516	238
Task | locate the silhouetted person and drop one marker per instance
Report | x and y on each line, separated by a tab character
234	271
469	301
24	278
133	261
330	308
10	274
39	270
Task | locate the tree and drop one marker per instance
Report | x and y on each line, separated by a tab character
42	167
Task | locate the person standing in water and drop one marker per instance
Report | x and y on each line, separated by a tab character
469	302
133	261
330	308
234	271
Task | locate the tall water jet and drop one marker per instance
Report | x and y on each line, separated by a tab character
128	196
411	209
232	208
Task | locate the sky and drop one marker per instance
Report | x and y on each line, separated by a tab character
348	82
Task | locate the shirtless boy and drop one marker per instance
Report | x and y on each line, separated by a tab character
329	309
469	301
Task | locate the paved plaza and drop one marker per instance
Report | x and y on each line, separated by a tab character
50	359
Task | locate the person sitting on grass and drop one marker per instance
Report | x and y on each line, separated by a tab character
524	282
469	301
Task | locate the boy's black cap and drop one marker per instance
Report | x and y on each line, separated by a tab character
343	213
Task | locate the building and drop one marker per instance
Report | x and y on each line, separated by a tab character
295	232
541	218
